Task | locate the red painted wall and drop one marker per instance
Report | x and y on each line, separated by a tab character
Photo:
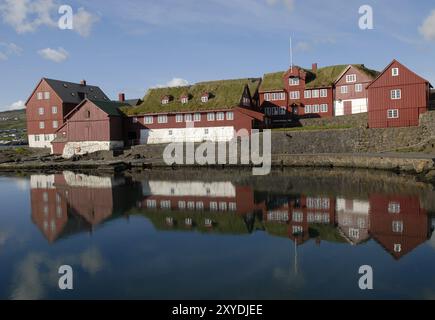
361	78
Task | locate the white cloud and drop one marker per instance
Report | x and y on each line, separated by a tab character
14	106
28	15
427	29
83	22
9	49
56	55
175	82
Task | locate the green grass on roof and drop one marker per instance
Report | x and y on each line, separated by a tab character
325	77
224	94
112	108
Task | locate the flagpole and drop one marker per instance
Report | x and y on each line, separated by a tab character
291	54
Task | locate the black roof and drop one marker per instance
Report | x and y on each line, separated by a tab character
134	102
75	93
109	107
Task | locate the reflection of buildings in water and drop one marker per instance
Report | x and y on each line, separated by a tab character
68	203
398	223
353	220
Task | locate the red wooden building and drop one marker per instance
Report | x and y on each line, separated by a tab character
49	103
397	97
91	126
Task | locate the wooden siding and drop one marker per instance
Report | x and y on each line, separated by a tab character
361	78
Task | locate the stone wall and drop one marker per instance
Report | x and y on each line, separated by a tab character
354	121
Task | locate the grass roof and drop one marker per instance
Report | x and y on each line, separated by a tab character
325	77
112	108
224	94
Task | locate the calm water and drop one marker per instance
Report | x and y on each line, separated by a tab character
216	235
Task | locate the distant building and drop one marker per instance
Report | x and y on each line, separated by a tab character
50	102
397	97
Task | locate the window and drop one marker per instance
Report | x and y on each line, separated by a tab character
220	116
179	118
394	207
40	96
151	204
282	111
297	230
42	125
397	248
293	81
162	119
37	138
223	206
204	99
191	205
393	114
396	94
307	94
47	95
206	131
165	100
213	206
354	233
170	132
315	93
358	87
323	93
200	205
308	109
295	95
149	120
246	101
182	204
54	110
395	72
232	206
55	124
197	117
298	216
323	108
344	89
134	119
274	96
41	111
188	222
208	223
165	204
211	117
188	118
230	116
88	114
184	100
398	226
351	78
47	137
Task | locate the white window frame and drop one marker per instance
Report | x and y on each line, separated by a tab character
398	226
323	93
324	108
220	116
230	116
40	96
197	117
54	110
162	118
351	78
307	94
47	95
358	87
294	81
37	138
282	111
41	125
393	114
165	101
204	99
188	117
41	111
135	120
179	118
211	116
184	100
395	72
344	89
295	95
315	94
308	109
149	119
396	94
316	108
55	124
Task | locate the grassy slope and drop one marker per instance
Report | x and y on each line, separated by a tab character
12	124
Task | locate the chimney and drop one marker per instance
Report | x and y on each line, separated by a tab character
314	68
122	97
83	83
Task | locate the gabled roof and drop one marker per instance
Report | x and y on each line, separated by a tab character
111	108
323	78
389	66
74	93
134	102
372	74
223	94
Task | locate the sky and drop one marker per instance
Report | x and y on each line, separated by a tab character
132	45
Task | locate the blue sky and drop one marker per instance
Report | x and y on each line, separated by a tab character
129	46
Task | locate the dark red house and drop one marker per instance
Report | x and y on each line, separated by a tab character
397	97
50	102
91	126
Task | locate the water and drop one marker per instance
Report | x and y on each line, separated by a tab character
217	235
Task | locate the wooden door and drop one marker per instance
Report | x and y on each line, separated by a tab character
347	108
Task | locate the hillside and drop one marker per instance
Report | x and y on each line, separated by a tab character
12	126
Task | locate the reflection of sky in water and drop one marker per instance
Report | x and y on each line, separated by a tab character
169	238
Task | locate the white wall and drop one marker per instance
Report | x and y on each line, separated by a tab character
215	134
83	147
184	189
359	206
41	144
358	106
42	181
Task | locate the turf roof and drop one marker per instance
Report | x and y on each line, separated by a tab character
224	94
325	77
